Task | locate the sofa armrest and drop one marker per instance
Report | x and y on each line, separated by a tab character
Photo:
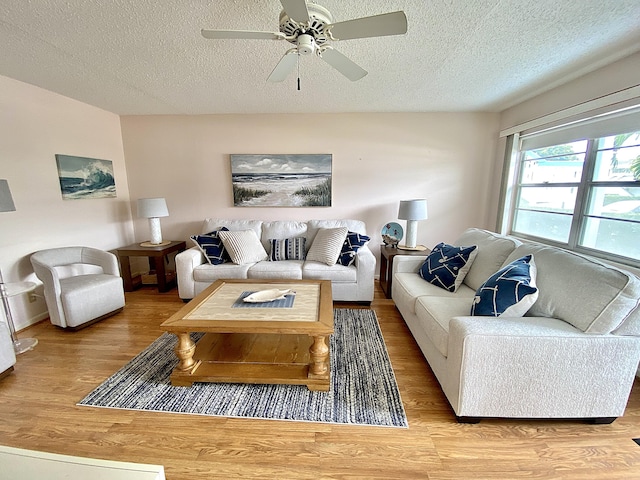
407	264
186	262
51	284
504	362
365	263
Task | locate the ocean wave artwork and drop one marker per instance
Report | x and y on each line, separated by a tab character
279	180
82	177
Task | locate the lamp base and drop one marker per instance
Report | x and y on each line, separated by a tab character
161	244
417	248
22	345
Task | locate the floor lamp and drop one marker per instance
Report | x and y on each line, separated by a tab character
20	345
412	211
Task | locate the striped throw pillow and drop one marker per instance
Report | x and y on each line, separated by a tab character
243	246
287	249
327	245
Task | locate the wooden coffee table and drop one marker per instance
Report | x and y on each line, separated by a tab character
256	343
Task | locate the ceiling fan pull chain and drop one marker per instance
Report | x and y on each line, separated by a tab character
298	72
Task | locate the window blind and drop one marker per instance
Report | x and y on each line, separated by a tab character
623	120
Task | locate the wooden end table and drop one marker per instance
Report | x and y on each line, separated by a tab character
157	258
386	264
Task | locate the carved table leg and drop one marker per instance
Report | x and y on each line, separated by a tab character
319	351
185	348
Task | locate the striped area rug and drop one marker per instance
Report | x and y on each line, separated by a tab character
363	390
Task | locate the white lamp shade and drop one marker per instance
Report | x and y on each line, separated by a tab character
152	208
413	209
6	200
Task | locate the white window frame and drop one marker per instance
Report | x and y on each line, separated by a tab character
620	118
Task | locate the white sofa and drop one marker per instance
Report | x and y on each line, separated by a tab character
573	355
352	283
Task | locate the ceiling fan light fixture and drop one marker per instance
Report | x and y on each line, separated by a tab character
310	28
306	44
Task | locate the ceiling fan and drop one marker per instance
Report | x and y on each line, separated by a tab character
310	28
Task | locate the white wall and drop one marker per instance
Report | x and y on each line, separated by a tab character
35	125
620	75
378	160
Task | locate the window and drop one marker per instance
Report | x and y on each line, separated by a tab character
583	194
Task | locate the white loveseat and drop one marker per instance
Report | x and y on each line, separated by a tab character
573	355
352	283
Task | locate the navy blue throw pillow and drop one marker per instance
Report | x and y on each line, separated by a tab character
350	246
211	246
511	291
287	249
446	266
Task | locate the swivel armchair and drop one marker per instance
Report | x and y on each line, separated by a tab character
82	285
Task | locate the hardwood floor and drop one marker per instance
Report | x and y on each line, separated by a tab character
38	412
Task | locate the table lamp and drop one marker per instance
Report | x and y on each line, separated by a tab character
6	200
412	211
153	209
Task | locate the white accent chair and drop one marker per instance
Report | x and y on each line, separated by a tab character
7	352
82	285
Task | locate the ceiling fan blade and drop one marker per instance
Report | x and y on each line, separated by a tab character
240	34
296	10
284	66
394	23
341	63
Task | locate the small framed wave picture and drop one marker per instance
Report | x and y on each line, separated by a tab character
82	177
271	180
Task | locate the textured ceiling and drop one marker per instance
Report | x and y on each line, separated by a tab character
148	57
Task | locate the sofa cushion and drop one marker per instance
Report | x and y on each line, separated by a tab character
327	245
291	269
493	249
211	246
86	297
243	247
282	229
631	325
590	295
287	249
446	266
435	313
336	273
409	286
511	291
351	245
210	273
211	224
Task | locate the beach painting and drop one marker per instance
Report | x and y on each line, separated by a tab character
82	177
302	180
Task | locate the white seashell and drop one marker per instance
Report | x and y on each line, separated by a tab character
267	295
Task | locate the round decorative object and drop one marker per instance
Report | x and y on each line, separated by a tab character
392	234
